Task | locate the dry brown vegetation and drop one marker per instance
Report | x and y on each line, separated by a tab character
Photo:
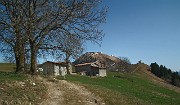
16	89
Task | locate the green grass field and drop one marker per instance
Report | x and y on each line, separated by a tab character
128	89
7	67
11	76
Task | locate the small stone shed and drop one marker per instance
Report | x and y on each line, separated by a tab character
92	69
54	68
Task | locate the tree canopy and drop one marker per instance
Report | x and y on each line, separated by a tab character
31	27
166	74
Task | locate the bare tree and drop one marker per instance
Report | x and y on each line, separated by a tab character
80	18
125	59
39	20
71	46
11	31
124	65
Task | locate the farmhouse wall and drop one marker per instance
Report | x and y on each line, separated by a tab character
83	68
91	69
63	71
56	70
102	72
53	68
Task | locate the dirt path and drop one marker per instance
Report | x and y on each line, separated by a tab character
55	96
61	92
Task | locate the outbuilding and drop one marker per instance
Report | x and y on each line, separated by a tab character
91	69
54	68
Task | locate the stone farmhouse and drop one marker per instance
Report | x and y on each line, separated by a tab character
55	68
91	69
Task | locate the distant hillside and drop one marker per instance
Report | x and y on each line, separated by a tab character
112	62
7	67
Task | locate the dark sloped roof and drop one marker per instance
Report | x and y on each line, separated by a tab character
92	64
56	63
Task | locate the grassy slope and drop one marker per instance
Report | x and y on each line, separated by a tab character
18	89
7	67
128	89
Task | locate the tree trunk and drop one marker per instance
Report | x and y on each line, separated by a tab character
68	68
19	50
17	63
67	63
19	56
33	65
22	60
22	56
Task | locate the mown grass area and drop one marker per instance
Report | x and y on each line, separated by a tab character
128	89
7	67
20	89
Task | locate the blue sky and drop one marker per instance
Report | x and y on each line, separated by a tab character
147	30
